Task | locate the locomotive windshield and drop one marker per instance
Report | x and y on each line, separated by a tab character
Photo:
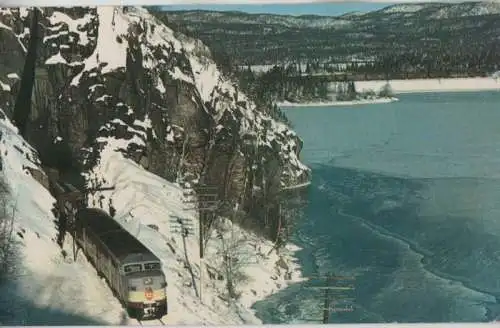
152	266
132	268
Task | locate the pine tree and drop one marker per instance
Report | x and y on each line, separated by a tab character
351	90
308	68
323	90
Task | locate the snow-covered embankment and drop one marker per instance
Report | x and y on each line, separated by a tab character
339	103
432	85
43	288
46	288
145	202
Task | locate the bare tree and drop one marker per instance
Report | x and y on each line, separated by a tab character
207	218
234	254
386	91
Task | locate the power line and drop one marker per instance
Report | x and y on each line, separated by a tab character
184	226
331	284
180	225
203	198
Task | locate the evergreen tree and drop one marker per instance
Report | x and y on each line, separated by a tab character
323	90
351	90
308	69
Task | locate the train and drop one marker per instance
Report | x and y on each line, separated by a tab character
132	271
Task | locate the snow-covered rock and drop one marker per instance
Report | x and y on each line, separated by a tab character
118	92
120	73
40	286
43	286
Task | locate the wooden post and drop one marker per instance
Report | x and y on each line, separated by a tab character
327	288
201	280
326	303
201	240
204	206
326	310
75	247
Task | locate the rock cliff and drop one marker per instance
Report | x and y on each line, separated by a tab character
118	73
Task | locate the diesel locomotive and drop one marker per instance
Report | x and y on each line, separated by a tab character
131	270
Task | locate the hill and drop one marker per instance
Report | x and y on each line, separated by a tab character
450	38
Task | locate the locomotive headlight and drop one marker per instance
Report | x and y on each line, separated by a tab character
148	281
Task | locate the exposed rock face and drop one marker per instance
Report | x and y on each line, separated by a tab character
119	75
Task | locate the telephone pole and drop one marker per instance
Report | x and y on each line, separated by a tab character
181	225
206	202
184	226
326	303
331	284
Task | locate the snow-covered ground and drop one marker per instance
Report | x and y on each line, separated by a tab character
44	288
433	85
338	103
47	288
411	86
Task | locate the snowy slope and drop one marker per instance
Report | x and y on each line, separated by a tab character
219	95
142	200
468	9
51	289
42	289
403	8
95	46
404	27
47	288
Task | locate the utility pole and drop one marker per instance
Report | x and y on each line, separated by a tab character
326	303
333	283
206	202
181	225
184	226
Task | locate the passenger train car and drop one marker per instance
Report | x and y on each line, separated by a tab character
132	271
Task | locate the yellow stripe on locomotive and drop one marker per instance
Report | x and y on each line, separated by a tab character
140	296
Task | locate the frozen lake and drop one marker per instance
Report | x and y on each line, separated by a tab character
406	197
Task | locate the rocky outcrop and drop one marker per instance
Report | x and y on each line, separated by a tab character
119	76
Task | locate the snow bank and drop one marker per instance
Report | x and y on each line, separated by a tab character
48	288
27	194
410	86
432	85
338	103
41	289
149	206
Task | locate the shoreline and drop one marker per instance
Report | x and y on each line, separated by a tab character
338	103
272	277
472	84
298	186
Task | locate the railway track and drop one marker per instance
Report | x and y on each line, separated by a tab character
152	321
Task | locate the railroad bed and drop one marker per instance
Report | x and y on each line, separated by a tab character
151	322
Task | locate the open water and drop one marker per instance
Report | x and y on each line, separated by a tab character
406	199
